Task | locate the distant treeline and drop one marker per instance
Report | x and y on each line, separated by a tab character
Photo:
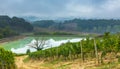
81	25
52	33
7	32
13	26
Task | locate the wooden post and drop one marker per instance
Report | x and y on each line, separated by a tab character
96	52
81	52
82	58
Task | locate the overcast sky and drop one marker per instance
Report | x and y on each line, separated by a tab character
61	8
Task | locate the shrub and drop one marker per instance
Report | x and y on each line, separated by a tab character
7	60
28	51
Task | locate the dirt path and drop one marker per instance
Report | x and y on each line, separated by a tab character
27	65
48	65
19	62
73	64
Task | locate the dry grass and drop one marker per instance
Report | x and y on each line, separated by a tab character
76	64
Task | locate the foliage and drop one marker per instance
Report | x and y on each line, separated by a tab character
43	23
62	33
42	33
28	51
52	33
6	60
15	24
7	32
105	45
81	25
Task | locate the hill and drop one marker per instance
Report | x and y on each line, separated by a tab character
81	25
13	26
15	23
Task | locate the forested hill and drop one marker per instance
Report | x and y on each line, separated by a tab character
82	25
15	23
12	26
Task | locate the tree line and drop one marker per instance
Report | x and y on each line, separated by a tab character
13	26
15	23
81	25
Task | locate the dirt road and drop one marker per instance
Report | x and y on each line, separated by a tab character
26	65
47	65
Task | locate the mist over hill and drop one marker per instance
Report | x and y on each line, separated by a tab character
35	18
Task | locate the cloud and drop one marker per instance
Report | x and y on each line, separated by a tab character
61	8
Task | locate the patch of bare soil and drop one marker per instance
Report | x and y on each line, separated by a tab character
48	65
73	64
27	65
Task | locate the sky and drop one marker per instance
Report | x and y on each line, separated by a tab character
105	9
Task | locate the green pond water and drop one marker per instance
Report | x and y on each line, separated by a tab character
22	42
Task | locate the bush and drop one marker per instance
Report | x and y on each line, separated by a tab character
28	51
7	60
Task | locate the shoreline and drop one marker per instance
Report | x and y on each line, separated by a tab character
9	39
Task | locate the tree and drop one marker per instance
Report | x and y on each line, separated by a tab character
38	44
